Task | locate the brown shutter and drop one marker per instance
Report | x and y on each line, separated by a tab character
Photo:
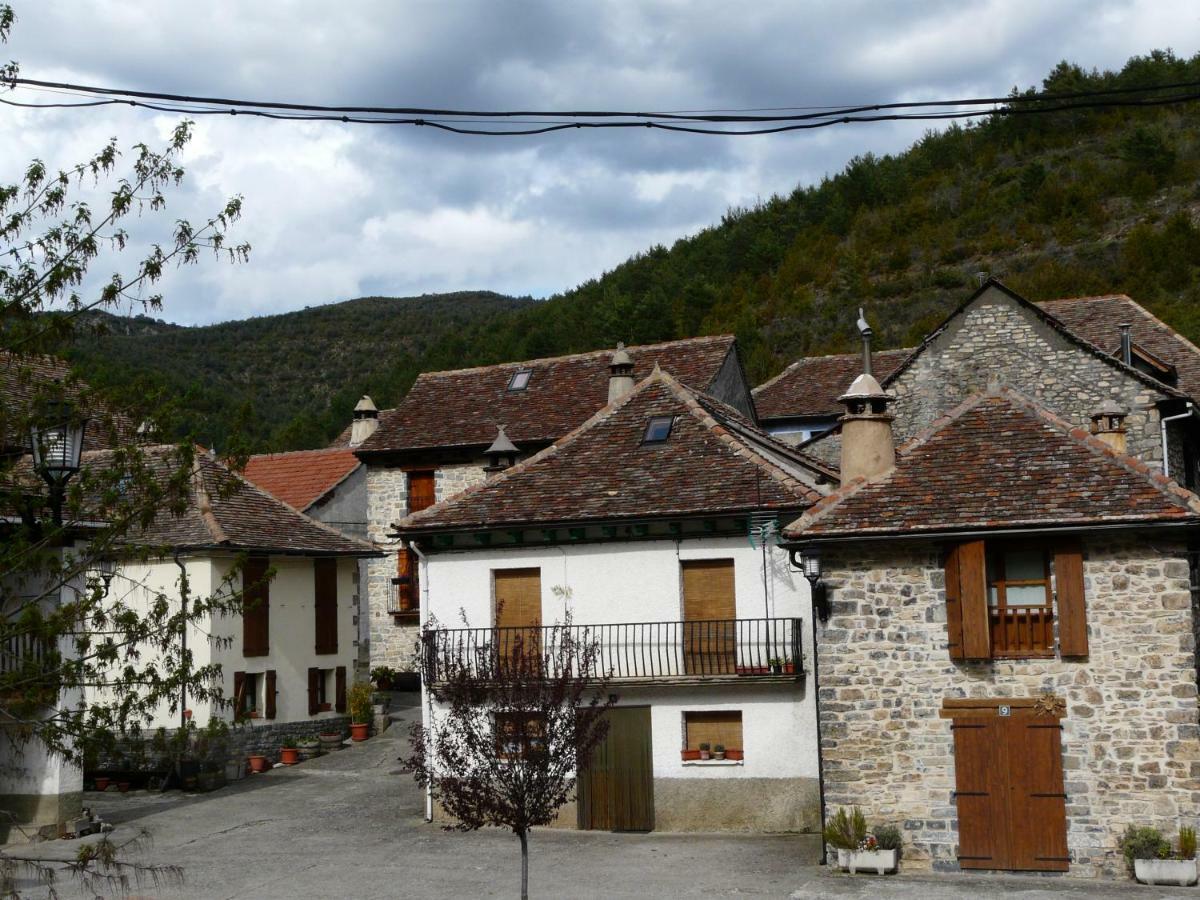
980	772
420	491
1038	801
325	603
408	593
709	610
269	704
340	679
256	611
972	592
314	691
239	693
954	629
1072	610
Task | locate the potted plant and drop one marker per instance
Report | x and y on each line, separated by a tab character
384	677
331	741
359	700
705	750
102	783
309	747
288	754
258	762
776	665
858	849
718	751
1150	860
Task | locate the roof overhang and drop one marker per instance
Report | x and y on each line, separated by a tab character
796	542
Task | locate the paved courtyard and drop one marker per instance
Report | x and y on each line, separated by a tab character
350	825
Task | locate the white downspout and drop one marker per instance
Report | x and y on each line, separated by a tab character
426	697
1163	427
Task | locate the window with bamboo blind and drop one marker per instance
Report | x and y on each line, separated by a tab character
518	616
1003	600
421	493
256	608
325	603
713	728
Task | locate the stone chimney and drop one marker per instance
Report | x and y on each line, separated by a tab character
502	454
620	374
1108	424
366	420
867	446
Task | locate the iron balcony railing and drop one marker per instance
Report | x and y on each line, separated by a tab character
717	648
22	652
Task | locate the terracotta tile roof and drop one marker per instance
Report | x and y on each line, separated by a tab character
999	461
301	477
1096	320
463	407
225	512
811	386
602	471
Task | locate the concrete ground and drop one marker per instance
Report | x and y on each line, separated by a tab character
350	825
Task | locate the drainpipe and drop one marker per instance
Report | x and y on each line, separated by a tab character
426	697
1163	427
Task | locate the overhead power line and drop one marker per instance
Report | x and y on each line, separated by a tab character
533	122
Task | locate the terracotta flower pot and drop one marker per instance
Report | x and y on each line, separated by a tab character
102	784
257	763
289	756
123	787
358	731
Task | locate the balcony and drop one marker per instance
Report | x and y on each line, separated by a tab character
711	651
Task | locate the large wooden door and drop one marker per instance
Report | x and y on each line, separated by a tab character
709	610
616	790
518	614
1010	797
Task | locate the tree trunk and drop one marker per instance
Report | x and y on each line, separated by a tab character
524	836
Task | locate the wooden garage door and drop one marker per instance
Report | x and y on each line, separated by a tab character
518	612
616	790
1010	797
709	610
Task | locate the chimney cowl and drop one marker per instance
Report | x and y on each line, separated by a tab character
621	359
365	408
1108	424
365	421
620	374
864	387
502	454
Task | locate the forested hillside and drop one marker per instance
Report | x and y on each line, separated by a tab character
1056	204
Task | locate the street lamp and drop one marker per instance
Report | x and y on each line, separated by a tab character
104	570
808	561
57	447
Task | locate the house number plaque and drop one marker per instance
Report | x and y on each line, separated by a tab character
1004	710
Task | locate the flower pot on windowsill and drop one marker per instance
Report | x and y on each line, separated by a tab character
289	756
258	763
359	730
690	755
881	862
1179	872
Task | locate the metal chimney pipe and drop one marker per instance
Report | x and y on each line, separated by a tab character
865	330
1126	343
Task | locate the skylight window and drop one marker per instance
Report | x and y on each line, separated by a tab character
658	429
519	380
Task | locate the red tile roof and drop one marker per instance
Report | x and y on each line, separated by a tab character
811	386
461	408
1096	320
999	461
301	477
603	471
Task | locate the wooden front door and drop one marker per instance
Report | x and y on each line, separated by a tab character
518	614
1011	803
616	790
709	610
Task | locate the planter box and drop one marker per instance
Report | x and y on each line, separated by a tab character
881	862
1180	872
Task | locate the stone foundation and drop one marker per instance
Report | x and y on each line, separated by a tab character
737	804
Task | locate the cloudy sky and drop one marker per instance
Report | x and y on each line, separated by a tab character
337	211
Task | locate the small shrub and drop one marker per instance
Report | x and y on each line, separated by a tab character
846	830
706	746
359	700
1187	843
1141	842
888	837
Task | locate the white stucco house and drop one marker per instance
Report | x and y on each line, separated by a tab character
651	524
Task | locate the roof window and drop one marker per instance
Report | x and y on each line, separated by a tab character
519	380
658	429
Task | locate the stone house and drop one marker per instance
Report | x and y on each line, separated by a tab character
652	525
434	445
1008	670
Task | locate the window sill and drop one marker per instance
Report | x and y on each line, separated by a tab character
713	762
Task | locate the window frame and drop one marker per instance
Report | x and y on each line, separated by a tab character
1001	614
522	746
249	706
325	689
650	424
739	752
522	375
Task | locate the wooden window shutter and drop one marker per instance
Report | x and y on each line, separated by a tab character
954	629
972	594
421	492
340	680
408	593
239	693
1072	610
269	703
256	612
314	691
325	603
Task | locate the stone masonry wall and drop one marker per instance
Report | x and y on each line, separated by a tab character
393	644
1131	741
996	338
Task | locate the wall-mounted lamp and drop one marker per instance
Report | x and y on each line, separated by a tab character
808	561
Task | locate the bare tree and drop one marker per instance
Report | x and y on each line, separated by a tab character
514	723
